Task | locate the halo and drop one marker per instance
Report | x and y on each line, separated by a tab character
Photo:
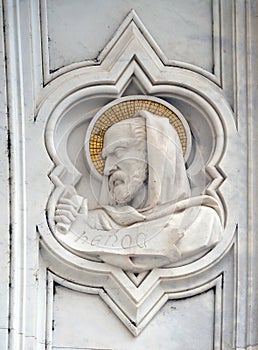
125	108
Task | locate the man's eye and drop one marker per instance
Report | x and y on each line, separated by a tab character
119	151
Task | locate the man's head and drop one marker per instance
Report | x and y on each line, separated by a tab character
125	154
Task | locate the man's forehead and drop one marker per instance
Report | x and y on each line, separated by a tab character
119	131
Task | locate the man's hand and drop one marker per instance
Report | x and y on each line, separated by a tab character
69	206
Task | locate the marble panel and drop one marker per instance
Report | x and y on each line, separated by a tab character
82	321
88	28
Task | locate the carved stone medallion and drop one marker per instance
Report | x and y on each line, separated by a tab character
136	204
146	215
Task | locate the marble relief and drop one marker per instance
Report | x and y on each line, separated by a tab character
146	215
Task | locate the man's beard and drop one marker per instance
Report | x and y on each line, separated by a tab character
123	188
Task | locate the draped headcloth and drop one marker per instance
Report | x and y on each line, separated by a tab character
167	178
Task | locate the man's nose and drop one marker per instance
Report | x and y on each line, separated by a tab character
110	166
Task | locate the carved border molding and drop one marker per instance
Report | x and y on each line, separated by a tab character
5	196
225	55
132	57
24	252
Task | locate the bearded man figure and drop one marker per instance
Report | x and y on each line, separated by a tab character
145	193
126	166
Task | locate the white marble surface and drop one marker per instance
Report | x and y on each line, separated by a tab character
221	109
162	17
4	200
146	214
89	324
